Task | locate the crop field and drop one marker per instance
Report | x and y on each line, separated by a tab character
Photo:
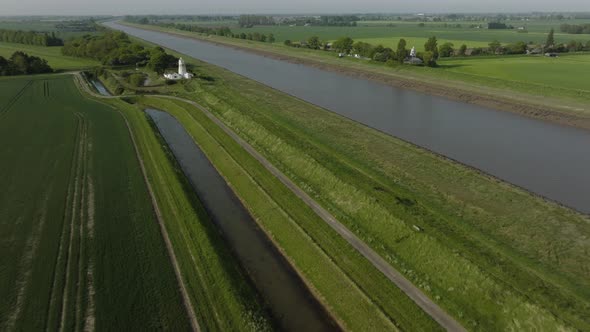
81	245
492	255
565	72
52	54
40	26
416	36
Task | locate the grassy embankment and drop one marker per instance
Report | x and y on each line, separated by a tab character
52	54
221	296
519	79
495	256
353	290
81	246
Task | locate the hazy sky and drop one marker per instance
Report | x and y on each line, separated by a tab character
101	7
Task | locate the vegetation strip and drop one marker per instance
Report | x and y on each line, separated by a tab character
82	84
413	292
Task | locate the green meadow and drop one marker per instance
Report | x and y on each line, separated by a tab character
377	32
53	55
565	72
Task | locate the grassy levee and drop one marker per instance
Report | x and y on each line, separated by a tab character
221	297
531	83
80	244
495	256
356	293
52	54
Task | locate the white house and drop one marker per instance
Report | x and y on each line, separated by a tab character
182	73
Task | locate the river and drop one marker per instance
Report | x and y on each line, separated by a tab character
292	304
548	159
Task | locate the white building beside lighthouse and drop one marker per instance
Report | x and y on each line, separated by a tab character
182	73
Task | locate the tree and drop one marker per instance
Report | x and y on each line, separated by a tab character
343	45
431	46
314	43
362	48
401	52
463	50
271	38
429	59
446	50
160	60
550	43
288	42
495	46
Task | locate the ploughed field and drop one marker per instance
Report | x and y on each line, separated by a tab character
81	248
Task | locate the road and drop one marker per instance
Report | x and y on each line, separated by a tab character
414	293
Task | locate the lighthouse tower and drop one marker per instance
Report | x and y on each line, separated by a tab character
181	68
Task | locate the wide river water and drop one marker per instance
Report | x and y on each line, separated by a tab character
291	302
548	159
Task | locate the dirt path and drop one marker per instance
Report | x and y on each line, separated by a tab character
423	301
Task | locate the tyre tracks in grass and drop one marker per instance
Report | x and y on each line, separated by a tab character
4	110
66	303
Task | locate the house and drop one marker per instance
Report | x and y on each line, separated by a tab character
182	73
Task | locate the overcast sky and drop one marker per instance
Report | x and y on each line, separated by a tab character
118	7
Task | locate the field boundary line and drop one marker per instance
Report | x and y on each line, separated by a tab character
183	290
414	293
81	83
14	99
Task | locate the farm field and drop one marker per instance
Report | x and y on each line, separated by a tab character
416	36
471	223
40	25
81	245
53	55
567	72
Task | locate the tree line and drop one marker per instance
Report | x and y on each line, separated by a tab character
21	63
248	21
30	38
379	53
575	28
114	48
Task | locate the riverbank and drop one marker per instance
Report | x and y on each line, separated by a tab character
371	183
496	94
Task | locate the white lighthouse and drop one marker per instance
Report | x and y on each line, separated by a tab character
181	67
182	73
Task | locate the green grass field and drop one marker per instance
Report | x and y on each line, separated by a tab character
377	33
49	26
52	54
81	245
567	72
354	291
494	256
